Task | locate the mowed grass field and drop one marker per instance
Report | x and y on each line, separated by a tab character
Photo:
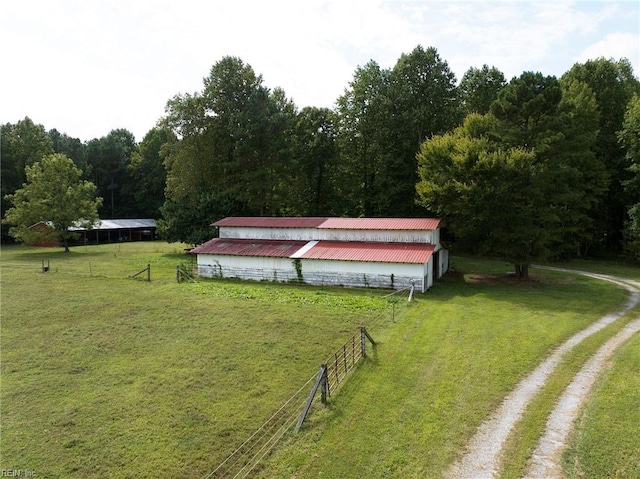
107	376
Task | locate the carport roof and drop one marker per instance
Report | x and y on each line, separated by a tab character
120	224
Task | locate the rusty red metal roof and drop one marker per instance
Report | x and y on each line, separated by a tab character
381	223
331	223
374	252
271	222
416	253
249	247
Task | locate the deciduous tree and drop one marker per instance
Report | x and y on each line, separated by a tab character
490	197
312	181
629	137
55	194
613	84
520	181
362	113
148	173
233	150
422	102
22	145
479	88
109	158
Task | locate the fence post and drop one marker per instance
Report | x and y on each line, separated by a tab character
178	274
148	271
323	385
353	350
321	380
363	346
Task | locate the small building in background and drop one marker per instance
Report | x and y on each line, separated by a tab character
42	234
104	231
110	231
363	252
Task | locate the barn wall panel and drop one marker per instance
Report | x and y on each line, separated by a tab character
316	272
291	234
309	234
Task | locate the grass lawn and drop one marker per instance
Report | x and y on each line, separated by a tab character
106	376
606	442
440	370
524	437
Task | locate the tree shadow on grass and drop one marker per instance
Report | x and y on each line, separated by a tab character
23	256
543	292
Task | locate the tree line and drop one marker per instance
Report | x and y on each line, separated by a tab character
532	168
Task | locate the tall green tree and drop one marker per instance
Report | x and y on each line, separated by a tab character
581	175
313	177
71	147
491	197
362	118
53	193
560	126
109	158
422	102
629	137
613	84
264	153
479	88
521	181
148	173
22	144
232	153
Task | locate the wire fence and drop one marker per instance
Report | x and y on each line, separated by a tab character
99	269
247	457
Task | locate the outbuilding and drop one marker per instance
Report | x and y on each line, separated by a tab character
109	231
365	252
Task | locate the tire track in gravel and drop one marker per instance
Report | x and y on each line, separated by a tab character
482	457
546	459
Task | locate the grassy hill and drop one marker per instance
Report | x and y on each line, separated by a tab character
104	375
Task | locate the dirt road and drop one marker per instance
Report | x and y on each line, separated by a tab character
482	458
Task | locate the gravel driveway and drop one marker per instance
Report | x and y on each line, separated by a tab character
482	457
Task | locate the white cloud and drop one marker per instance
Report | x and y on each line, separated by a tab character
88	67
616	46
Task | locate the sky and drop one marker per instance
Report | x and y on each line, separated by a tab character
86	67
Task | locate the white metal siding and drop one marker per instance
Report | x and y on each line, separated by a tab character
290	234
444	261
318	272
309	234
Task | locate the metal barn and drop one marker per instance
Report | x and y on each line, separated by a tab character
366	252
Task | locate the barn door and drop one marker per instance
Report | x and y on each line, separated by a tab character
436	265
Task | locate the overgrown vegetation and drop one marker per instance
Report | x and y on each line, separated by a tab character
104	375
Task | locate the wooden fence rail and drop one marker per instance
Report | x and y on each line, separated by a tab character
147	270
182	274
